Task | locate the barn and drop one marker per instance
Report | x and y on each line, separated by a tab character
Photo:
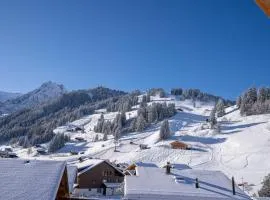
179	145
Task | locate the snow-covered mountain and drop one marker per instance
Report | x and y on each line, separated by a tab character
241	148
4	96
46	92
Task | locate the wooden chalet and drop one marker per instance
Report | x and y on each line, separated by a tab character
179	145
97	177
131	169
33	179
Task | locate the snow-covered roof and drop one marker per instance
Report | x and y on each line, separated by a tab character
180	166
31	180
145	164
154	183
86	164
72	174
112	185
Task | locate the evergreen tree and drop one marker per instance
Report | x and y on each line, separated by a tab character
220	108
123	118
98	128
148	97
171	109
177	91
96	138
249	98
141	123
57	142
164	132
152	113
105	136
117	134
265	190
133	124
239	101
262	95
212	118
142	111
162	94
144	99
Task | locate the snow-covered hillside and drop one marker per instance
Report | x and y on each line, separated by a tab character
4	96
46	92
241	148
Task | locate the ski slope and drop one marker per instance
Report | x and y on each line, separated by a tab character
241	148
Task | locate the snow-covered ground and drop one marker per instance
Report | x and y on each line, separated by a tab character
240	150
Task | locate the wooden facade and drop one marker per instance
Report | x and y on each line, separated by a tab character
97	175
63	191
179	145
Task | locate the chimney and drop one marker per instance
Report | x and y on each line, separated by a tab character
26	161
233	186
197	183
168	168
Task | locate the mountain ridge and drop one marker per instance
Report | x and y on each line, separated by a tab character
48	91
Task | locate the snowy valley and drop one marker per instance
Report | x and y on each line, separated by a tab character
240	148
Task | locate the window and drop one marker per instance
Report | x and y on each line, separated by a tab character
107	173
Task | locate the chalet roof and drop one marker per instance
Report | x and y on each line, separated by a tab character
112	185
31	180
145	164
153	183
177	142
72	174
88	164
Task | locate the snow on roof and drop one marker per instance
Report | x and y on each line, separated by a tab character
180	166
154	183
144	164
31	180
86	164
112	185
72	174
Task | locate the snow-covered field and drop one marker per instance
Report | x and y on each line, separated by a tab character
241	149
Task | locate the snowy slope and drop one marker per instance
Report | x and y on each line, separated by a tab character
4	96
240	150
46	92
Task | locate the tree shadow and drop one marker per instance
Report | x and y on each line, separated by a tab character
230	132
241	126
203	140
231	111
74	146
213	188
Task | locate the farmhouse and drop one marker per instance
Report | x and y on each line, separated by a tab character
33	179
97	177
179	145
153	183
131	169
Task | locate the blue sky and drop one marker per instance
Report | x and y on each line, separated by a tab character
221	47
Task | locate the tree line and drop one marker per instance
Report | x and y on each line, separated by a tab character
196	94
34	126
254	101
146	115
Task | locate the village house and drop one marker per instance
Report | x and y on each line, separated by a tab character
179	145
97	177
131	169
154	183
33	179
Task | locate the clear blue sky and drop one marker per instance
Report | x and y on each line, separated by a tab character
219	46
